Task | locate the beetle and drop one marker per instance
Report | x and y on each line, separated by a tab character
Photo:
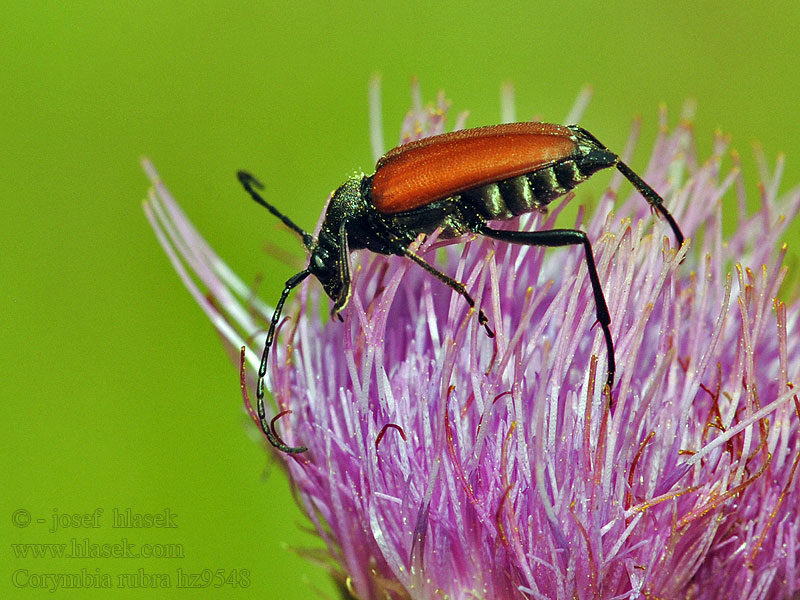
455	182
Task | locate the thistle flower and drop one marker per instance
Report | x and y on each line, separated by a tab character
444	464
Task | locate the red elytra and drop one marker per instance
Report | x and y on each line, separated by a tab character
426	170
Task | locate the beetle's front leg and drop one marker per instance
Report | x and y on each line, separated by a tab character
344	273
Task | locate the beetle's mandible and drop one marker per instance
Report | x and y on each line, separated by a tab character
457	182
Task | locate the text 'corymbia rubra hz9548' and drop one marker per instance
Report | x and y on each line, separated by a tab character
457	182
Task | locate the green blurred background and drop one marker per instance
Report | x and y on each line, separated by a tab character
116	391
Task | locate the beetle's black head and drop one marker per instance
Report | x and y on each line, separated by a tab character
325	266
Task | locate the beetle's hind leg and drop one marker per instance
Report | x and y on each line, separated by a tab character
566	237
653	198
452	283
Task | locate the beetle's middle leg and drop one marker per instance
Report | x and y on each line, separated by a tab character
452	283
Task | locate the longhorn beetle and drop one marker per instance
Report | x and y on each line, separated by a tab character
458	182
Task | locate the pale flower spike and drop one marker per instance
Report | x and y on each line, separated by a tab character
441	465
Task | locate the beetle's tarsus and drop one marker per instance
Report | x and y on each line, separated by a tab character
246	178
607	394
484	320
274	438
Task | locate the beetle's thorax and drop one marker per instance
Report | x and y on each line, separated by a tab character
346	209
347	206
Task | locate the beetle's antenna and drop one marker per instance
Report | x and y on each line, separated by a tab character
266	426
249	182
652	197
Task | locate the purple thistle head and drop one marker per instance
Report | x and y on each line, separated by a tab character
445	464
